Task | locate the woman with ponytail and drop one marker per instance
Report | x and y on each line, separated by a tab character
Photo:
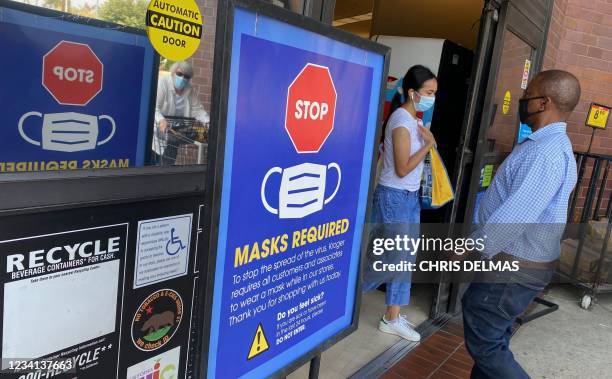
396	209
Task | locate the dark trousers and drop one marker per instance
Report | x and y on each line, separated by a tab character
490	307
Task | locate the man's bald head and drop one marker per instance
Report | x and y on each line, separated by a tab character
560	86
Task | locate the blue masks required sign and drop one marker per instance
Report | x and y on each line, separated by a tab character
301	123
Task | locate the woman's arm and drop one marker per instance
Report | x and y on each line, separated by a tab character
403	161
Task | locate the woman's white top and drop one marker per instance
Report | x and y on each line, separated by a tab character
401	118
180	102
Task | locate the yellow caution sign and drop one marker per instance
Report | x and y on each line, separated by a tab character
506	105
598	116
259	344
174	28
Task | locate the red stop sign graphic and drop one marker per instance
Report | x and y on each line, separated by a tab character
72	73
311	105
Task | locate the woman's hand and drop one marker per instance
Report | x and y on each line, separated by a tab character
427	136
163	125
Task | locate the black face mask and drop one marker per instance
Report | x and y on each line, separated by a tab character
524	108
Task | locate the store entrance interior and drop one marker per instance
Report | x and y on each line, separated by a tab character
443	36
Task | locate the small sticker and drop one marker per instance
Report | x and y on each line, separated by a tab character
507	101
523	133
526	74
598	116
487	175
174	28
157	319
164	365
162	250
259	344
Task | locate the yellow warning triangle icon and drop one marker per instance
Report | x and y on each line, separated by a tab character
259	344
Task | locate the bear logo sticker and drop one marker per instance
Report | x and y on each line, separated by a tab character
157	319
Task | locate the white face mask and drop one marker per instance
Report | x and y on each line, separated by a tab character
302	189
68	131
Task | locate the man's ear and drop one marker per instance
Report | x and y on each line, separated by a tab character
544	101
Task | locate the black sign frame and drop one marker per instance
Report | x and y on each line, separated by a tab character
216	152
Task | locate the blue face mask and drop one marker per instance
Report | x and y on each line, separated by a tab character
179	82
425	103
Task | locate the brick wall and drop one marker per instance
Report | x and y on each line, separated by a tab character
555	33
580	41
202	60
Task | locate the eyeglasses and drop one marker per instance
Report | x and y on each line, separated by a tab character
187	77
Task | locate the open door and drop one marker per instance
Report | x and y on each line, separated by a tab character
513	40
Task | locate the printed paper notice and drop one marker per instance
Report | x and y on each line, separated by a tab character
54	306
162	250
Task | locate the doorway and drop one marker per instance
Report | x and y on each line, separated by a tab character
505	42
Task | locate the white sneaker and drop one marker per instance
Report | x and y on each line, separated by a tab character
400	327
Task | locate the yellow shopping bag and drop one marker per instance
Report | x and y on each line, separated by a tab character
436	188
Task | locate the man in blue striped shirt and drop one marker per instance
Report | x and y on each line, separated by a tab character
521	218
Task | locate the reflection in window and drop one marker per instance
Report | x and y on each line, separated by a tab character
111	127
124	12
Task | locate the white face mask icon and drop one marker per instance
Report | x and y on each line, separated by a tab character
68	132
302	189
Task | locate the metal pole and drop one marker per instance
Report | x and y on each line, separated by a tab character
591	142
586	211
315	364
609	208
602	188
582	158
604	249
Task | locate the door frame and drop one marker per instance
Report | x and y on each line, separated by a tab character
518	17
482	59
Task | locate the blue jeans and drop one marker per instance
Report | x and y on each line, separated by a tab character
394	212
490	308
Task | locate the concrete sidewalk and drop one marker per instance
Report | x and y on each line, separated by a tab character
569	343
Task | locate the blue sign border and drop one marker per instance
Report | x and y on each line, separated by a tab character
252	23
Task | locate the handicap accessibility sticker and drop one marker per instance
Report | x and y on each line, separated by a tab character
162	250
259	344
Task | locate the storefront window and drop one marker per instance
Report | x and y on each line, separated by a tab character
85	94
